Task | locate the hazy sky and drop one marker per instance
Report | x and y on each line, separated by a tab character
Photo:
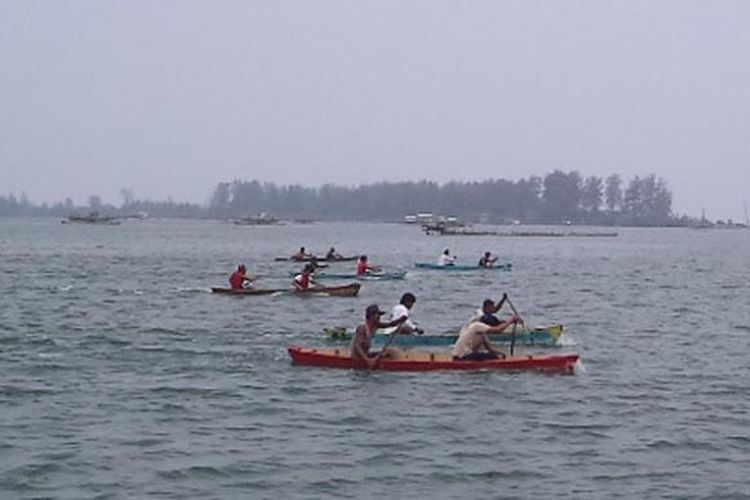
168	98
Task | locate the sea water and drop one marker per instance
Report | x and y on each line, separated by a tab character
122	376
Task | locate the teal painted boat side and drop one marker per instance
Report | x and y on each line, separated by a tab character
541	336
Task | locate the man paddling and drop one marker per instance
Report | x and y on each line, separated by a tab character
474	337
487	260
302	255
403	309
333	255
364	267
447	259
239	277
489	310
304	280
363	335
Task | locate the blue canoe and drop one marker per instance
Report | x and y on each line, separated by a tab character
548	335
463	267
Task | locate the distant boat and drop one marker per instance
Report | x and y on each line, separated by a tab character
93	218
262	219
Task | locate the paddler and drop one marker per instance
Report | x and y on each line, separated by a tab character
403	309
333	255
364	267
302	255
239	277
447	259
487	260
304	280
363	335
474	337
489	309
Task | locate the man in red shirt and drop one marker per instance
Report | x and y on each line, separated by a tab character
238	278
304	281
364	267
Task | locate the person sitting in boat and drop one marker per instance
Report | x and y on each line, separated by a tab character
333	255
487	260
239	277
489	309
364	267
363	335
474	337
304	280
447	259
302	255
403	309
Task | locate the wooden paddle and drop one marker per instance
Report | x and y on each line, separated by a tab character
515	312
513	335
391	337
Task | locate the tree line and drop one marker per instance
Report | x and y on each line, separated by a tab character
558	197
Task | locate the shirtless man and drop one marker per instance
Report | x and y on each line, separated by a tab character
363	335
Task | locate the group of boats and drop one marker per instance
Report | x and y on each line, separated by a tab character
411	359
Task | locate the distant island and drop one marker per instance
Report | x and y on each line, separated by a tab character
557	198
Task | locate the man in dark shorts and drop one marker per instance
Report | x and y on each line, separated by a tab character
363	335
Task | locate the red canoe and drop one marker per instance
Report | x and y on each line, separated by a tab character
415	361
350	290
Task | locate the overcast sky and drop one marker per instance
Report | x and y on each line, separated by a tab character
168	98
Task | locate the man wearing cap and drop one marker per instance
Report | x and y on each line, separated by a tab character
239	277
364	333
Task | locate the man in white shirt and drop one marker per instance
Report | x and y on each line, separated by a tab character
403	309
474	337
447	259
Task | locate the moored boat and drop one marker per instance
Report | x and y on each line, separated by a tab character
429	361
93	218
350	290
507	266
548	335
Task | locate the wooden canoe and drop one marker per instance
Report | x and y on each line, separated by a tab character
350	290
413	361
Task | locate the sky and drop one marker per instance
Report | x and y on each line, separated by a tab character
169	98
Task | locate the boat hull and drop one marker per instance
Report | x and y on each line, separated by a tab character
540	336
385	276
317	259
461	267
350	290
411	361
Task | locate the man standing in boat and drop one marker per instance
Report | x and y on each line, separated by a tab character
447	259
403	309
363	335
239	277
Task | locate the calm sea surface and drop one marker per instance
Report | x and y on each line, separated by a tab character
121	376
